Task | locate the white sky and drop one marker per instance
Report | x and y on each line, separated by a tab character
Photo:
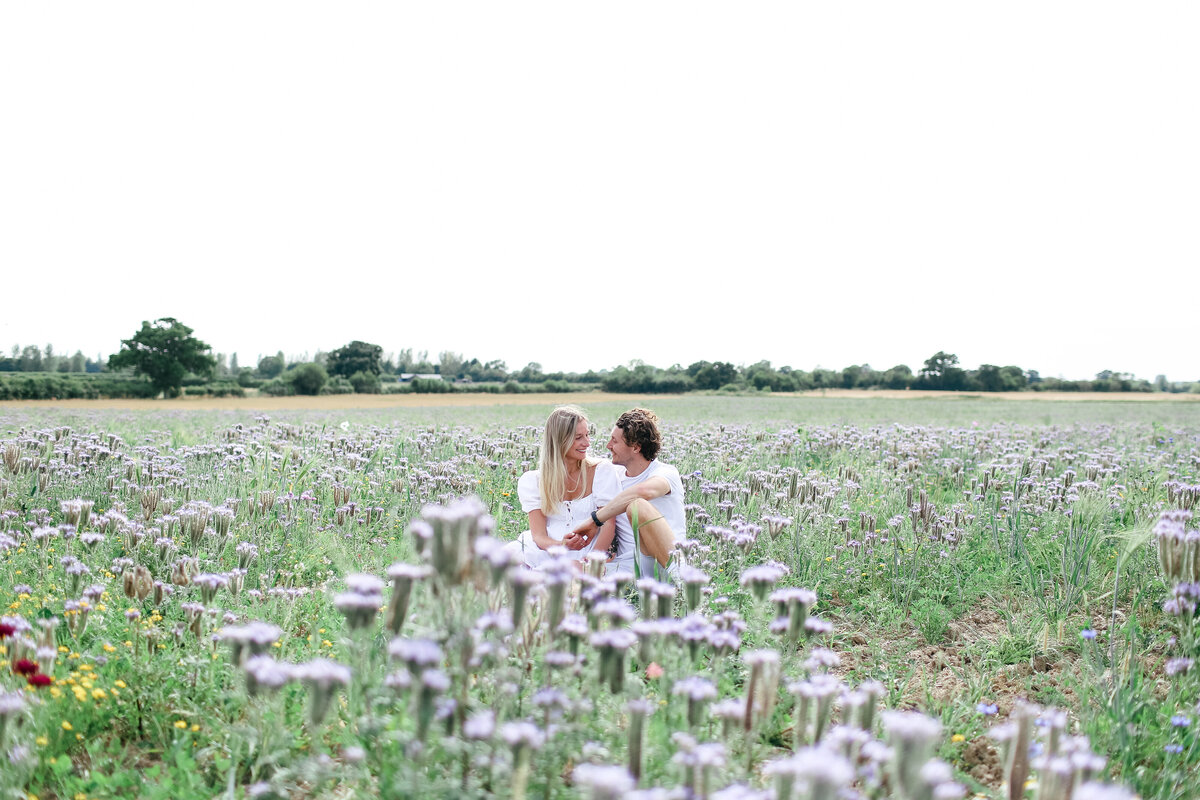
586	184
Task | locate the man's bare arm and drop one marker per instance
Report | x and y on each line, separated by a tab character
646	490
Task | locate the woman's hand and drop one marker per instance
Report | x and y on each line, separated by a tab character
584	533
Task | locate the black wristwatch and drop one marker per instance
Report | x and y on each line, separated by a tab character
596	520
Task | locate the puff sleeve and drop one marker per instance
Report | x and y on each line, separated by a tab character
529	491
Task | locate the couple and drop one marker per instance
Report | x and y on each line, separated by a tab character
581	503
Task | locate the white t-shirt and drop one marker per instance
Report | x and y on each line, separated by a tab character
670	505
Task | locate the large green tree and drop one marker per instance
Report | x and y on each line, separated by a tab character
165	351
355	357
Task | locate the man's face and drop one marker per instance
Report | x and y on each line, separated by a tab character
621	452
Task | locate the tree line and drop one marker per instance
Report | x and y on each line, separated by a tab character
170	357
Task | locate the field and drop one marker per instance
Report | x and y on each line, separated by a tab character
908	596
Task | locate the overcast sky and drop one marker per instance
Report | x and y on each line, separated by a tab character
586	184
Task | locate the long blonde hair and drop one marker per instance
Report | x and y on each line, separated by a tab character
557	439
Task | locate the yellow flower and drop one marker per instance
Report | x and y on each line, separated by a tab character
66	726
41	741
195	728
99	694
180	724
958	737
108	648
120	684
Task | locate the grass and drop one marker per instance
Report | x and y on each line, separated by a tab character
990	613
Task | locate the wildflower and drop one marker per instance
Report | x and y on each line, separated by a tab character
696	690
763	684
1087	634
823	771
181	724
264	672
416	654
913	737
520	582
987	709
480	725
612	645
402	576
434	683
1180	721
321	676
1178	666
604	781
1100	791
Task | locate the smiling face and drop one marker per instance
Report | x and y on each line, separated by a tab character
583	440
621	451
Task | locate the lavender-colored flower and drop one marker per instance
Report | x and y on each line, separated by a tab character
417	654
359	609
823	771
821	659
264	672
987	709
480	725
1178	666
1102	791
603	781
522	735
1087	634
364	583
1180	721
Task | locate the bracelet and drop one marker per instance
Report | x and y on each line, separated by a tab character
596	520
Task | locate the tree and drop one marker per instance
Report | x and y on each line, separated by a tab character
449	364
941	371
355	357
270	366
164	352
307	378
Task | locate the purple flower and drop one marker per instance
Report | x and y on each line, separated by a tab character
1181	721
1173	748
1087	634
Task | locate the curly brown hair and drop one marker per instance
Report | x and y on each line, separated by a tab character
639	426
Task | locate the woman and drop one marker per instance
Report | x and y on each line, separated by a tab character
564	490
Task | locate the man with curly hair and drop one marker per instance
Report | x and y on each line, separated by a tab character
651	492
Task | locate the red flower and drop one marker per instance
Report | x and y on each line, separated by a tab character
39	680
7	629
26	667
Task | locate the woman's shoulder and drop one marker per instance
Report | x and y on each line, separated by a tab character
531	478
605	469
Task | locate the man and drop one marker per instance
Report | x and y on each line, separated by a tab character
650	490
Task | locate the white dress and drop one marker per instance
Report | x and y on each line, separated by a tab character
570	514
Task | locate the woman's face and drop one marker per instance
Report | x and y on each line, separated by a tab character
579	448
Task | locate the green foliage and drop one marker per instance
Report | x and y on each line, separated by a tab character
71	386
337	385
932	620
366	383
355	357
270	366
307	378
431	386
165	352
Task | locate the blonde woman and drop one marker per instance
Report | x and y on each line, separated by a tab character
564	491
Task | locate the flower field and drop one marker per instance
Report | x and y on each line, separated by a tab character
876	598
